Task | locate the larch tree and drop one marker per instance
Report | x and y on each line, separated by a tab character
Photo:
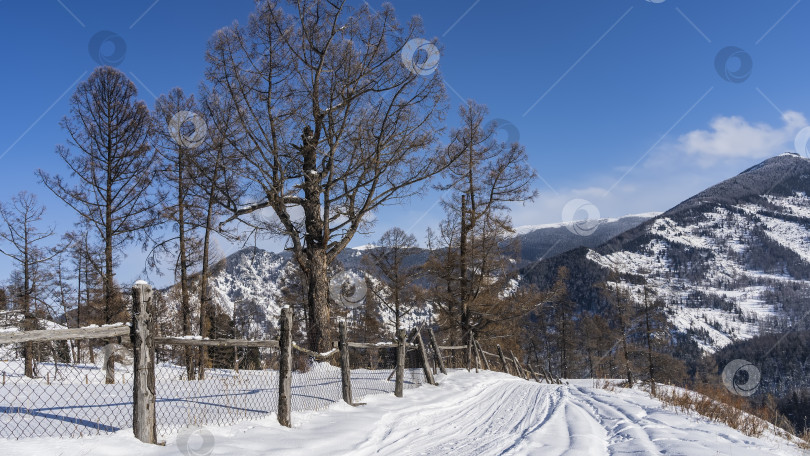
215	181
178	138
112	167
476	284
332	126
23	241
397	290
111	170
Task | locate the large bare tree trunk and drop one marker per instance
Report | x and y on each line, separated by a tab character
318	301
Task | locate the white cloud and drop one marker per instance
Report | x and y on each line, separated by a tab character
734	137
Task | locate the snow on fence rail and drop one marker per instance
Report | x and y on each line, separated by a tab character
163	384
70	389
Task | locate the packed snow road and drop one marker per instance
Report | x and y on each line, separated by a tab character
468	414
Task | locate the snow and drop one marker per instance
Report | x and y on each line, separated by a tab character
364	247
723	237
468	414
525	229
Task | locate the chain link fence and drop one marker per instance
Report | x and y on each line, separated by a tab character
374	370
65	389
80	381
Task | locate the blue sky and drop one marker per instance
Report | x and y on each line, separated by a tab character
618	102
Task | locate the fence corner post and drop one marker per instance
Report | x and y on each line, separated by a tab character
425	360
436	352
400	379
345	367
285	367
141	333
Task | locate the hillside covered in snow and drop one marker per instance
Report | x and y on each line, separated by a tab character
727	262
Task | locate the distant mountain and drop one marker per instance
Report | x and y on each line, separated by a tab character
728	261
248	283
546	241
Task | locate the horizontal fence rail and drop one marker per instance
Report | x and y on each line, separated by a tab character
101	379
52	335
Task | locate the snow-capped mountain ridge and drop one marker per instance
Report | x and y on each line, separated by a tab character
727	261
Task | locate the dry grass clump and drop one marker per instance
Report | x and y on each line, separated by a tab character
716	403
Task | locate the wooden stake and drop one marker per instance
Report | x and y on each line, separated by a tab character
345	368
436	352
425	365
285	367
143	391
483	355
504	366
400	363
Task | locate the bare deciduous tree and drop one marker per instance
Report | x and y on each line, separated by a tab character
113	167
473	274
177	143
24	239
332	127
397	291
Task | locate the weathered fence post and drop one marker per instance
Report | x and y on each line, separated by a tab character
400	363
345	368
425	361
534	374
436	352
475	350
518	369
504	366
469	353
109	366
285	367
483	355
143	391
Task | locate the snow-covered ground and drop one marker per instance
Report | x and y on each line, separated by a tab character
74	401
474	414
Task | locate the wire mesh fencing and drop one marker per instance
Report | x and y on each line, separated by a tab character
373	370
234	384
81	382
64	389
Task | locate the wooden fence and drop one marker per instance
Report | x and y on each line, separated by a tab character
143	337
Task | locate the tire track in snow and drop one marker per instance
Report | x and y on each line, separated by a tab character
619	426
492	419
